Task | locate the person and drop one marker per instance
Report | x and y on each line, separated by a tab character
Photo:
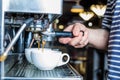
105	38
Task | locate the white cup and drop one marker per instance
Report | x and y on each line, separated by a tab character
48	59
28	53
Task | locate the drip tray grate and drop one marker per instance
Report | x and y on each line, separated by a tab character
29	71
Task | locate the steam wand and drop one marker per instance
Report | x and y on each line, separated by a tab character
5	53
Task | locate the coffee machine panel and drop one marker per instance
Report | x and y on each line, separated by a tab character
21	23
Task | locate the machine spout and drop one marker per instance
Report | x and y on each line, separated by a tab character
5	53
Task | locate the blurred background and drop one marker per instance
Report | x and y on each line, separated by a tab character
89	62
93	17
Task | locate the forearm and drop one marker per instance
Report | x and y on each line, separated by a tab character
98	38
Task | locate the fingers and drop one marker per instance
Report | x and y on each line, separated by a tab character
81	45
80	41
74	41
76	29
80	33
85	37
64	40
69	28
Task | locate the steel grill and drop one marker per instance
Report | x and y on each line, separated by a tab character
29	71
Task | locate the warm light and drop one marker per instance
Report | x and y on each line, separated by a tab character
77	8
98	9
86	15
61	26
57	21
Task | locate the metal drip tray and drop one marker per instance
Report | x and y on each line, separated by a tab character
29	71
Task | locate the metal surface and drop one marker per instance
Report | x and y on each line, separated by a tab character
29	71
12	16
0	22
34	6
16	37
52	9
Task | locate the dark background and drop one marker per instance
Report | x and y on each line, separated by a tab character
68	17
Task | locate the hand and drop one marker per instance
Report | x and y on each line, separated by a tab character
80	33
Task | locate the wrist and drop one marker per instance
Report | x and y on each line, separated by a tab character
89	34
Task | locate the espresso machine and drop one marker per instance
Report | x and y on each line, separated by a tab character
21	23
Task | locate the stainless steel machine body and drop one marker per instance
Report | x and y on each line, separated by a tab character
20	20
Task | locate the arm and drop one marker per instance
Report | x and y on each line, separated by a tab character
98	38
